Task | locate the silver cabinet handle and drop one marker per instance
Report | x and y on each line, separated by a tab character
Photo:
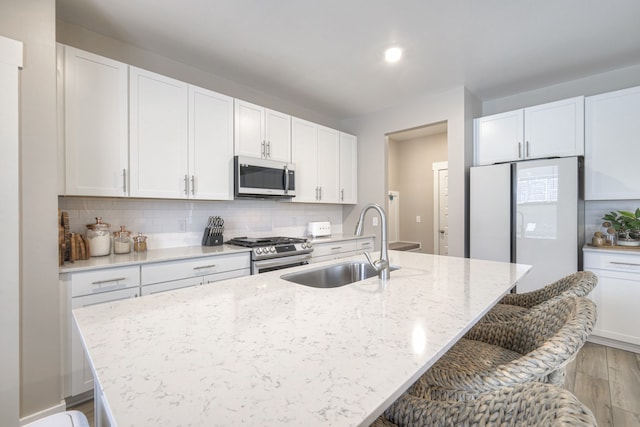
186	185
204	267
269	149
263	149
336	248
193	185
317	193
526	145
320	192
124	181
102	282
625	263
519	149
342	195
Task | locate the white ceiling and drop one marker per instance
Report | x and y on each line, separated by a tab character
327	55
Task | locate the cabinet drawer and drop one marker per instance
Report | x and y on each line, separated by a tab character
226	275
169	286
174	270
614	262
106	280
365	244
334	248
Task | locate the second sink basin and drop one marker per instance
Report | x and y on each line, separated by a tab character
335	275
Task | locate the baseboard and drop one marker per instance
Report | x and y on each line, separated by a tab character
615	344
61	407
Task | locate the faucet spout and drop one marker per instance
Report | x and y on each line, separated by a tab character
381	265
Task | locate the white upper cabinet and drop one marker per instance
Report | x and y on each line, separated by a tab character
498	138
348	168
210	145
315	150
95	124
262	133
304	146
612	146
158	135
555	129
328	165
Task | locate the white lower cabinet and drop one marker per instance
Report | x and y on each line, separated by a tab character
341	249
84	289
616	296
171	275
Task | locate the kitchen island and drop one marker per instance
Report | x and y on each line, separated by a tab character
260	350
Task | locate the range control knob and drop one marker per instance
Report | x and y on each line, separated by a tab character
272	249
258	251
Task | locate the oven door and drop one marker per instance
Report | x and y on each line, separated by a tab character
273	264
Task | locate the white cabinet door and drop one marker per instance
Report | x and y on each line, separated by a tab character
612	150
555	129
277	136
95	124
616	296
249	130
158	135
499	138
328	165
210	145
304	143
262	133
348	169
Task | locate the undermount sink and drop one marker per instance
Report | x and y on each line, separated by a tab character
334	276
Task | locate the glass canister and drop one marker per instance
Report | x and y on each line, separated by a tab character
99	236
140	243
122	241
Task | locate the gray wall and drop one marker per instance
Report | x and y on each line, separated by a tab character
410	173
457	107
33	23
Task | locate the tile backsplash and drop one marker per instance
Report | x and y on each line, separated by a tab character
176	223
594	210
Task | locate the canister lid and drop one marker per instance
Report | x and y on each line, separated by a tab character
122	232
99	225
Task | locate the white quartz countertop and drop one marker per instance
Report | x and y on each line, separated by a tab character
153	255
259	350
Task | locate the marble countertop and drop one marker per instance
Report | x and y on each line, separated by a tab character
259	350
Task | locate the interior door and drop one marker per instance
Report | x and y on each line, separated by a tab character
443	212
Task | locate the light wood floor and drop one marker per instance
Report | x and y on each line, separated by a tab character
605	379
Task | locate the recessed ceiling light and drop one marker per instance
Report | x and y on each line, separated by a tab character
393	54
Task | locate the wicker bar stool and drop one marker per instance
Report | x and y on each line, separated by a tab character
521	405
512	306
533	348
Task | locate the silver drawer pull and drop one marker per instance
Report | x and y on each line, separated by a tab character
102	282
625	263
336	248
204	266
366	245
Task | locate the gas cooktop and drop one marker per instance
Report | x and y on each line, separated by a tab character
256	242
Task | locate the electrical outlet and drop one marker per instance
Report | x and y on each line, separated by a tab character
375	221
418	219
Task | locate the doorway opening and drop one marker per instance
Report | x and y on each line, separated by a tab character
417	172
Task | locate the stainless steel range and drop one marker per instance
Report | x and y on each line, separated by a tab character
275	253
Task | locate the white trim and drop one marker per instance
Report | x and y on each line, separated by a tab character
437	167
60	407
614	343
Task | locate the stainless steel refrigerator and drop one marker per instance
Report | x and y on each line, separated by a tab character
529	212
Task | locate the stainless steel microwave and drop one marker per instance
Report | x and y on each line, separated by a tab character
261	178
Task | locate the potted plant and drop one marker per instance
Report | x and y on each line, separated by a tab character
626	223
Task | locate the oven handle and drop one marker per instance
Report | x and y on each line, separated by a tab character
282	261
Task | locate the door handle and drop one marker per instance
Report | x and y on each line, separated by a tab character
193	185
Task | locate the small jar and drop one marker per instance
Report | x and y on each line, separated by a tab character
121	241
140	243
99	236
